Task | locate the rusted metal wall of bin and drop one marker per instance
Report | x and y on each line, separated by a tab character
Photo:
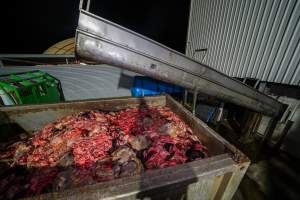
216	177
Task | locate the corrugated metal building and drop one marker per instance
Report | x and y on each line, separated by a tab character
247	38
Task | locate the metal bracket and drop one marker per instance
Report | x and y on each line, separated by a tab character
87	5
200	50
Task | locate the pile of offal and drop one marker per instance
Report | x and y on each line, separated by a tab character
95	146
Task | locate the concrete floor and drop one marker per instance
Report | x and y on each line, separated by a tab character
277	177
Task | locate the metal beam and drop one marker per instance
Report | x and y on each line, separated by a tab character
35	59
102	41
16	56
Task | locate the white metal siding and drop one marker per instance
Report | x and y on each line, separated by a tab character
247	38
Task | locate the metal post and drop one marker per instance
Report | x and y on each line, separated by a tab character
185	97
1	63
256	83
270	128
189	26
287	127
88	4
195	95
87	7
262	87
221	110
81	4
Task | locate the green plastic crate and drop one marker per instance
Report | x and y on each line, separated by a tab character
31	87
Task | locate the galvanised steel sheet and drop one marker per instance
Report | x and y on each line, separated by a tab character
247	38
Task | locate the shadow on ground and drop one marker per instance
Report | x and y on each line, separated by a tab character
277	177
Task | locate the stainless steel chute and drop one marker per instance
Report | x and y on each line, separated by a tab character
102	41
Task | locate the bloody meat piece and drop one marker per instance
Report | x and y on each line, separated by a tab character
196	152
67	160
13	186
163	153
8	153
81	176
62	181
65	136
139	142
40	178
88	151
123	154
171	129
103	170
95	146
129	168
125	162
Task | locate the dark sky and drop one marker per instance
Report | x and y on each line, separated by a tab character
31	26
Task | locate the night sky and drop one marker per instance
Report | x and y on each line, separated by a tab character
32	26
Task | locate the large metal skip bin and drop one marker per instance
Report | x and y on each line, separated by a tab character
216	177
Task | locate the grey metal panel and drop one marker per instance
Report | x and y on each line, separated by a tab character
86	81
247	38
102	41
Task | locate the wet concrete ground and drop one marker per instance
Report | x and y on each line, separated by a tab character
277	177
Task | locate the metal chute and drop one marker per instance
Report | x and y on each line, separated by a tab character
102	41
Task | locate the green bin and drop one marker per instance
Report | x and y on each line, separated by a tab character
33	87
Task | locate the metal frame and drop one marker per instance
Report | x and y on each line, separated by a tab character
189	27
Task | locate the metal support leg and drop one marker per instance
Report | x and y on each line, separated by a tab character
87	7
270	129
185	97
263	146
287	127
195	95
88	4
81	4
262	87
256	83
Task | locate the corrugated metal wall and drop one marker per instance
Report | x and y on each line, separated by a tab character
247	38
